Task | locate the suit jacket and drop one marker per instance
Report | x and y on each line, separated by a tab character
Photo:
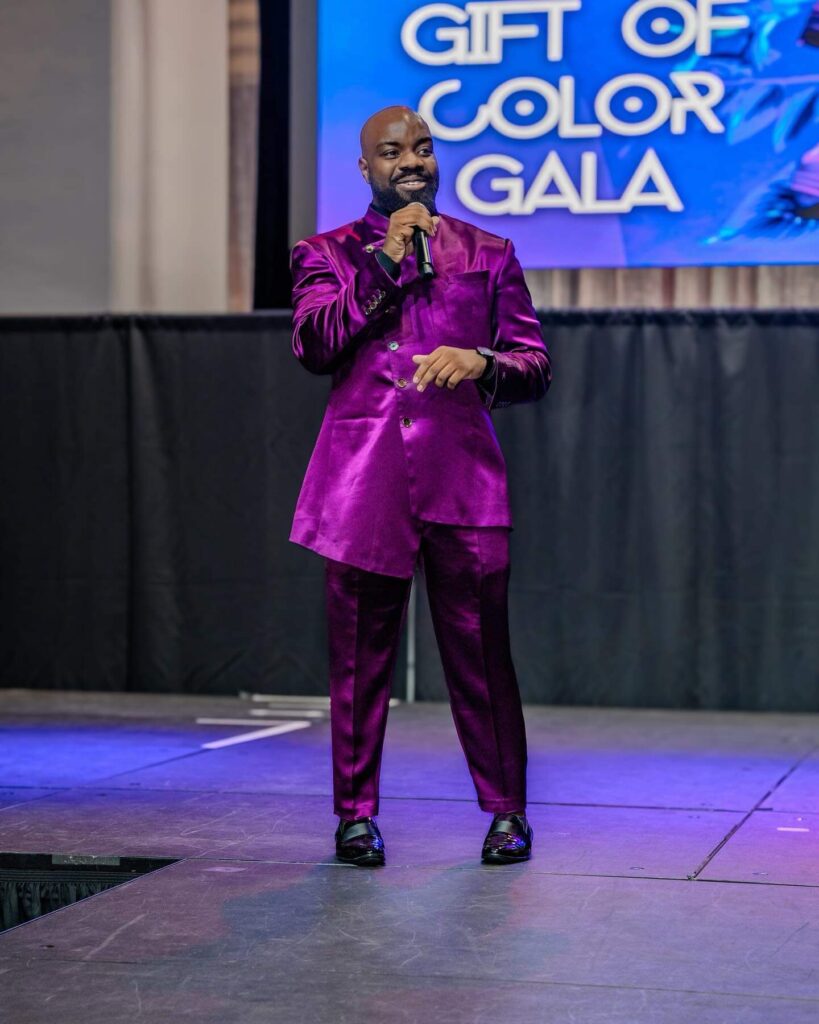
389	457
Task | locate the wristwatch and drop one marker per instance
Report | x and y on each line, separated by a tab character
489	356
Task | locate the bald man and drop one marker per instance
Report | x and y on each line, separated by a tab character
407	470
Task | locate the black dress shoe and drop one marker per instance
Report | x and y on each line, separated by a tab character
359	843
509	839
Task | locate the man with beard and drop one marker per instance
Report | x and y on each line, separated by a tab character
407	466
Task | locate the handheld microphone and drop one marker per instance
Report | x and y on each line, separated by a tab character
423	256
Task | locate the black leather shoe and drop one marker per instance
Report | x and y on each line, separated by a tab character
359	843
508	840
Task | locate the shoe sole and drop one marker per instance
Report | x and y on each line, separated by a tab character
364	860
501	858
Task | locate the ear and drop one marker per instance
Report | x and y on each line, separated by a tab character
364	167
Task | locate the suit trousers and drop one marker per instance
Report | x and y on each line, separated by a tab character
466	570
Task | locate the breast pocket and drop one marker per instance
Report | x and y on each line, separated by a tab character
462	312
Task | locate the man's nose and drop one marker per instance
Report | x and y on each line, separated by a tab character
412	162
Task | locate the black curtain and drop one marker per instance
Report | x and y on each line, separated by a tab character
665	493
148	467
64	503
666	498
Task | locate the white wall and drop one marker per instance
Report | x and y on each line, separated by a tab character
54	155
113	155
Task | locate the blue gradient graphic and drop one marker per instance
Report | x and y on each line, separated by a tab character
770	110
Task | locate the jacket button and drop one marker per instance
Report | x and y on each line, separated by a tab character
401	382
406	422
393	345
369	248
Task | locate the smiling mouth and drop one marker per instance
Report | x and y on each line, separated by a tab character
413	183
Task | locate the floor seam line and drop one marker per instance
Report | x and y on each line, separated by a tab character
469	978
732	832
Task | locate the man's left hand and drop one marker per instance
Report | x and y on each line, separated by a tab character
448	366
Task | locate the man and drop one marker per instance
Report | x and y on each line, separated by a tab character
407	466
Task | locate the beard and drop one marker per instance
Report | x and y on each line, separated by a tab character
389	199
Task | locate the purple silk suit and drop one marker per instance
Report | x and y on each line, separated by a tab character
387	454
397	475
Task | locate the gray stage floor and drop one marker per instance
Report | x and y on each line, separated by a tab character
675	877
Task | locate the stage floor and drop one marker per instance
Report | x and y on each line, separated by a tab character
675	874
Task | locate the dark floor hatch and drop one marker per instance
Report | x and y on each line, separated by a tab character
33	884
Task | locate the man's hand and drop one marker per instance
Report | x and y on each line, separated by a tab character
398	242
448	365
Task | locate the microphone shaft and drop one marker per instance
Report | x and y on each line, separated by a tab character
423	257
